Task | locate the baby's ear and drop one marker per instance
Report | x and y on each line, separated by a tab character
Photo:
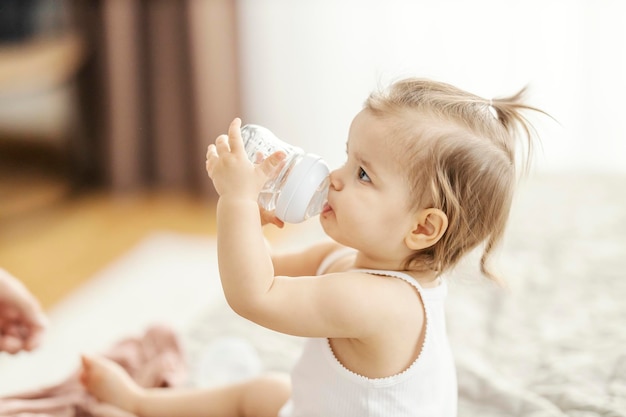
428	227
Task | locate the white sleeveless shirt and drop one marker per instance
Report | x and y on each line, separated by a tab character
323	387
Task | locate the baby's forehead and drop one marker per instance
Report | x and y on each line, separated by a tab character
386	138
384	128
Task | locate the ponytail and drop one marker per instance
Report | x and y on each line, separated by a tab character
509	112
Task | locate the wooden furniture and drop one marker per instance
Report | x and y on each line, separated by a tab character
38	89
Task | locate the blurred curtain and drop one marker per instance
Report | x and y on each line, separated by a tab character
163	83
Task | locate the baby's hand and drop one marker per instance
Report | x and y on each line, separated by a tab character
230	169
268	217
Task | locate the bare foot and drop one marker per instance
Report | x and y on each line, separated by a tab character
109	382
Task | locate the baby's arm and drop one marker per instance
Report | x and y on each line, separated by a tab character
303	262
339	305
296	263
245	263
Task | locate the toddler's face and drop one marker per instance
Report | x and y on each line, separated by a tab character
369	196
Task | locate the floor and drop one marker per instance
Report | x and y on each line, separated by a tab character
54	239
91	258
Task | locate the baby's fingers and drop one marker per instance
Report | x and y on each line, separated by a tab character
211	159
272	163
210	151
221	145
234	136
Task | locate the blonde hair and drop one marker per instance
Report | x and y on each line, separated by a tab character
461	153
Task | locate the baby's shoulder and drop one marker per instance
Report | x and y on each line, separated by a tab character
338	259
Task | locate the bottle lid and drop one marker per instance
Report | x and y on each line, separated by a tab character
300	187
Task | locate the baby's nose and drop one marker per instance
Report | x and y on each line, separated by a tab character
335	180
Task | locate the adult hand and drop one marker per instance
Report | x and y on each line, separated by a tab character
22	321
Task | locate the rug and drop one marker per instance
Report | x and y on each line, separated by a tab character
167	278
551	344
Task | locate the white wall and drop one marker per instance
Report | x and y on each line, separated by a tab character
308	65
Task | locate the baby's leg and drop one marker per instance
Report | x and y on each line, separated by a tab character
109	382
261	397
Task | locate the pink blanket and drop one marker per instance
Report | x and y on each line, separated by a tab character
153	360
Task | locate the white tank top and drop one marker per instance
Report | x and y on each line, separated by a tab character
323	387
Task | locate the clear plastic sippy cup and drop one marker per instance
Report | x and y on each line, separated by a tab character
300	189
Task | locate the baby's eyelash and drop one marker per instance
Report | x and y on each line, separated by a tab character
363	175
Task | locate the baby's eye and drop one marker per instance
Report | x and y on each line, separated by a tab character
363	175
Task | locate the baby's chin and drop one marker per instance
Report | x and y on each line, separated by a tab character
324	222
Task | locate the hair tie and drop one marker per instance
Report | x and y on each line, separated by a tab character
492	109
